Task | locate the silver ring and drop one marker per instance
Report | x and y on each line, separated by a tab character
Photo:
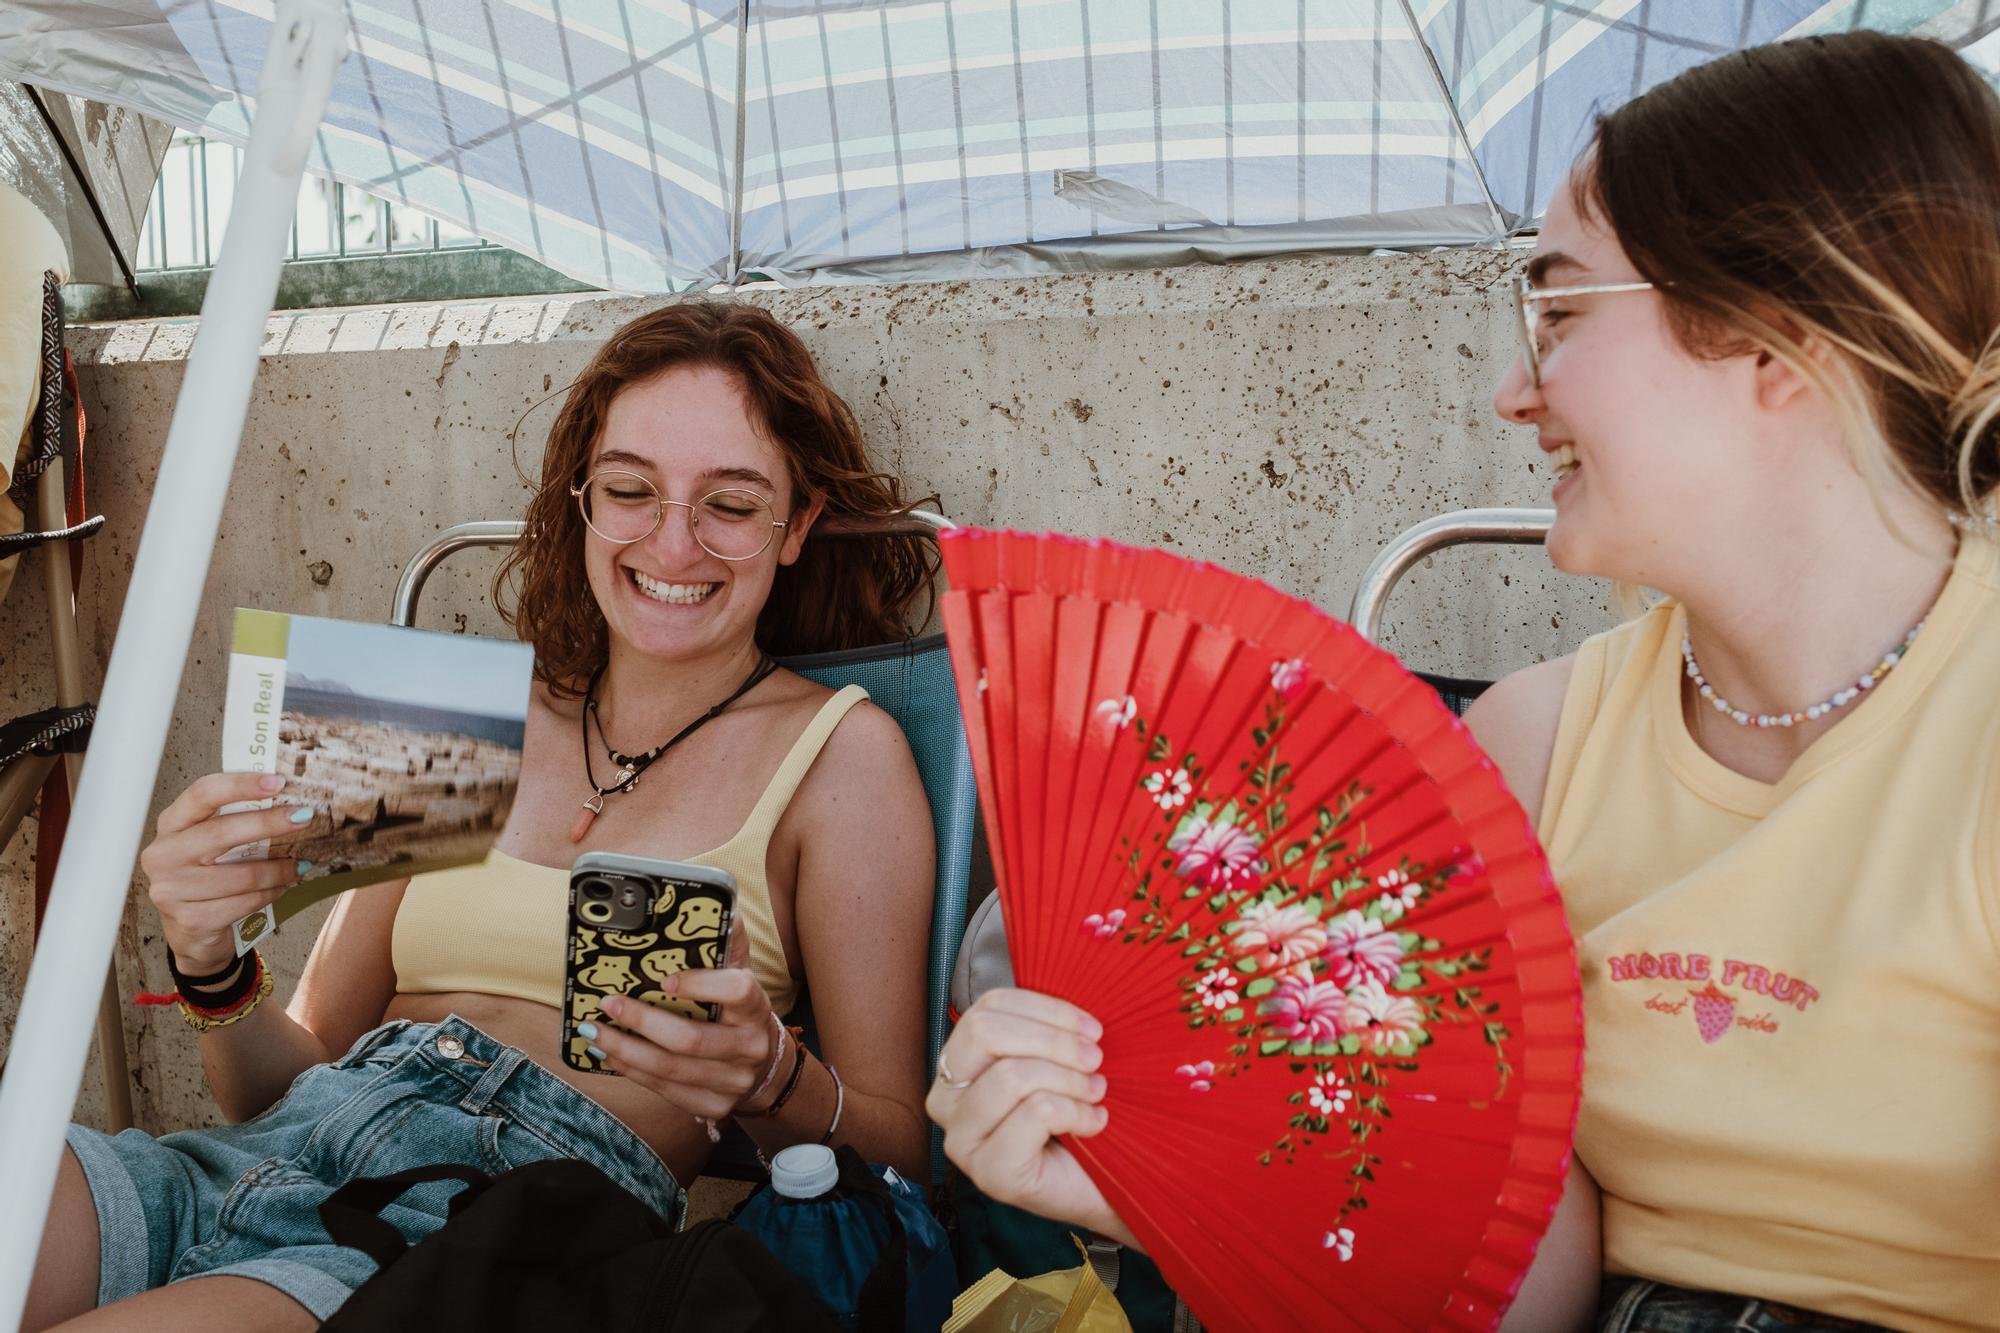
944	1076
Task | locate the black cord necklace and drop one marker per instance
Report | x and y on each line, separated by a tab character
630	766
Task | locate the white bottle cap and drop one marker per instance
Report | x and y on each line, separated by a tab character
804	1171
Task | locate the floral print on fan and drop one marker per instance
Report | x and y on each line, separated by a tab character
1104	925
1169	788
1305	952
1198	1076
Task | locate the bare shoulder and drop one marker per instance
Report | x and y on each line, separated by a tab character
865	779
1515	723
868	745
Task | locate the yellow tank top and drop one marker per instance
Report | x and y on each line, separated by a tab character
520	908
1792	991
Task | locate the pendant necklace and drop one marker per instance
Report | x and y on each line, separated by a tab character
630	766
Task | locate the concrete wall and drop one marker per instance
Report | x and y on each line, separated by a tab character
1282	418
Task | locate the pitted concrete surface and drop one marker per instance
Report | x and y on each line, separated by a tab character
1284	419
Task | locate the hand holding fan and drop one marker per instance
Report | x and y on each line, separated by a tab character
1342	1032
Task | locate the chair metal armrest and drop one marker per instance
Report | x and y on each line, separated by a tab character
1515	527
505	532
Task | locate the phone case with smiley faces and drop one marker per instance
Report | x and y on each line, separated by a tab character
633	922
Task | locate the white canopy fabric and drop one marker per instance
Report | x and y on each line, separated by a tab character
649	144
86	167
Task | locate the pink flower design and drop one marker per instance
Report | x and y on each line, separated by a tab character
1399	894
1118	712
1287	935
1328	1094
1379	1018
1341	1241
1198	1076
1359	951
1288	678
1217	989
1169	787
1102	926
1215	854
1306	1010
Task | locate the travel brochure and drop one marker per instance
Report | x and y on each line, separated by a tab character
405	743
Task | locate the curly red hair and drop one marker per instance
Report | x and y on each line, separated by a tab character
840	594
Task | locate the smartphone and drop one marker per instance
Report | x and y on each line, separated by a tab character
633	922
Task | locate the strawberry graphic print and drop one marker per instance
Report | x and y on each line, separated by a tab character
1721	997
1713	1011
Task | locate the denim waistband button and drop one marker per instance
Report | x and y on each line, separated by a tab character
449	1047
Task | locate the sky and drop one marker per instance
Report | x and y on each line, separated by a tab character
460	672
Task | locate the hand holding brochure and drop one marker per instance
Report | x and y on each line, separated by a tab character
405	743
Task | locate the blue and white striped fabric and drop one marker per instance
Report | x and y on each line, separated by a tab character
649	144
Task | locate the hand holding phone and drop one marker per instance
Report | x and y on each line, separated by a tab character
633	922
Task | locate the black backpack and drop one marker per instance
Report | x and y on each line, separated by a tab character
557	1245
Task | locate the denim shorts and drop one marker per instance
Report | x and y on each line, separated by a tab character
1638	1305
243	1200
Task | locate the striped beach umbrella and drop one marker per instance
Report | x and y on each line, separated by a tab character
647	145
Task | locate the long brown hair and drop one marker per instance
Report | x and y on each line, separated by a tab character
1843	190
844	593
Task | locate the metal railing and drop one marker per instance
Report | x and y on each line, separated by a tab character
192	201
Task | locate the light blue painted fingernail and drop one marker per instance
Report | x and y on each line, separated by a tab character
596	1054
302	815
304	867
588	1031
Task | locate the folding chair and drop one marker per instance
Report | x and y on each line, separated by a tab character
1509	527
912	682
48	488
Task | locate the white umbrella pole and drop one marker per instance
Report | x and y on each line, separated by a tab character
45	1061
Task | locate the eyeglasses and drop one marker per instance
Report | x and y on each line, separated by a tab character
1526	295
623	508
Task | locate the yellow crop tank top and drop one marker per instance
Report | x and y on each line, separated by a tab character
1792	991
521	907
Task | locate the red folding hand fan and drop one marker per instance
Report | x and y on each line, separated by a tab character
1342	1031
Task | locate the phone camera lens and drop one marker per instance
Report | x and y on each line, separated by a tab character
596	888
595	913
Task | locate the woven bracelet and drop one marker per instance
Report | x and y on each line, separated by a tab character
792	1080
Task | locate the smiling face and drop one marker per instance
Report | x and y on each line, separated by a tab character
1652	447
688	432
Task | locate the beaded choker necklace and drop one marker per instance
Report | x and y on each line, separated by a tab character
1819	710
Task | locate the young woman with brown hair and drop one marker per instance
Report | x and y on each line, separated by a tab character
666	555
1762	356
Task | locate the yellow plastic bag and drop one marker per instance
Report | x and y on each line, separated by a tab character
1072	1300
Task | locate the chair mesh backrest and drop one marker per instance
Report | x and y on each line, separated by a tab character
912	682
1457	693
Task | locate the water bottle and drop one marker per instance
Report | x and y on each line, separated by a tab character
859	1237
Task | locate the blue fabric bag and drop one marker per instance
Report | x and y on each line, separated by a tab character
867	1246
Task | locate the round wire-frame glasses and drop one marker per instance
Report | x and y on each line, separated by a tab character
1525	297
730	523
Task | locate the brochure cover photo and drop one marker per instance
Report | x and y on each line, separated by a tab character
405	743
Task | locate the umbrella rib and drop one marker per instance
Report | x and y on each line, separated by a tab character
83	180
742	111
1500	227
